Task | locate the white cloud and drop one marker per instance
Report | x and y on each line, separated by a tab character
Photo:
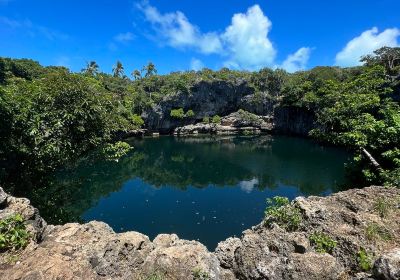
124	37
247	40
297	61
196	64
248	186
366	43
244	44
178	32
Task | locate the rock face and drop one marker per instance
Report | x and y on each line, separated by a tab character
240	122
207	99
94	251
204	98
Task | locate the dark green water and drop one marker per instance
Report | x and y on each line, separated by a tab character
201	188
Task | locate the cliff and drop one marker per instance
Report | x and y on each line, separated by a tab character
355	221
223	98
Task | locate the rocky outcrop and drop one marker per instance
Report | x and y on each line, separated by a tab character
354	219
204	98
240	122
207	99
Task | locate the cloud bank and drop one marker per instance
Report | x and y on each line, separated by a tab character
244	44
366	43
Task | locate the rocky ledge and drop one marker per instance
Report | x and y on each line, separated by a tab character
240	122
363	225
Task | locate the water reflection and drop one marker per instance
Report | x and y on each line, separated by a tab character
203	188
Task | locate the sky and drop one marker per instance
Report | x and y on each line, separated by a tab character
179	35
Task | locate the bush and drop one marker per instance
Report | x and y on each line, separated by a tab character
364	260
189	114
13	233
206	120
216	119
322	242
137	120
113	152
199	274
280	211
180	114
375	231
383	206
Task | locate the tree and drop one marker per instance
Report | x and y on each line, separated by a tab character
149	69
386	56
118	70
136	75
92	68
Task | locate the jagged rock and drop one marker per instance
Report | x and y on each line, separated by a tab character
3	198
240	122
225	251
94	251
387	267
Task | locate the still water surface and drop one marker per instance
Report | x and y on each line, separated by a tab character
202	188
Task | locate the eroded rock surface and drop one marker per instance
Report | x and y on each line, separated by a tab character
94	251
240	122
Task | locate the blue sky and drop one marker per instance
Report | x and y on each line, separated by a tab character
181	35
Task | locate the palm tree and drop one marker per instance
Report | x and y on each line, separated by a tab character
149	70
91	69
136	75
118	69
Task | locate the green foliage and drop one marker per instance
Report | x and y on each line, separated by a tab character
13	233
137	120
216	119
364	260
189	114
199	274
180	114
206	120
113	152
383	206
375	231
249	117
177	113
322	242
280	211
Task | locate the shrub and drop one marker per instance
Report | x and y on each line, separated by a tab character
375	231
199	274
189	114
177	113
383	206
13	233
364	260
206	120
216	119
180	114
322	242
280	211
113	152
249	117
137	120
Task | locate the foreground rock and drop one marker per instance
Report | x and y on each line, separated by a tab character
353	219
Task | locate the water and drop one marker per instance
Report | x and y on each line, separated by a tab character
201	188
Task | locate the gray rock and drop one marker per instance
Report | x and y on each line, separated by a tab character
388	265
94	251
